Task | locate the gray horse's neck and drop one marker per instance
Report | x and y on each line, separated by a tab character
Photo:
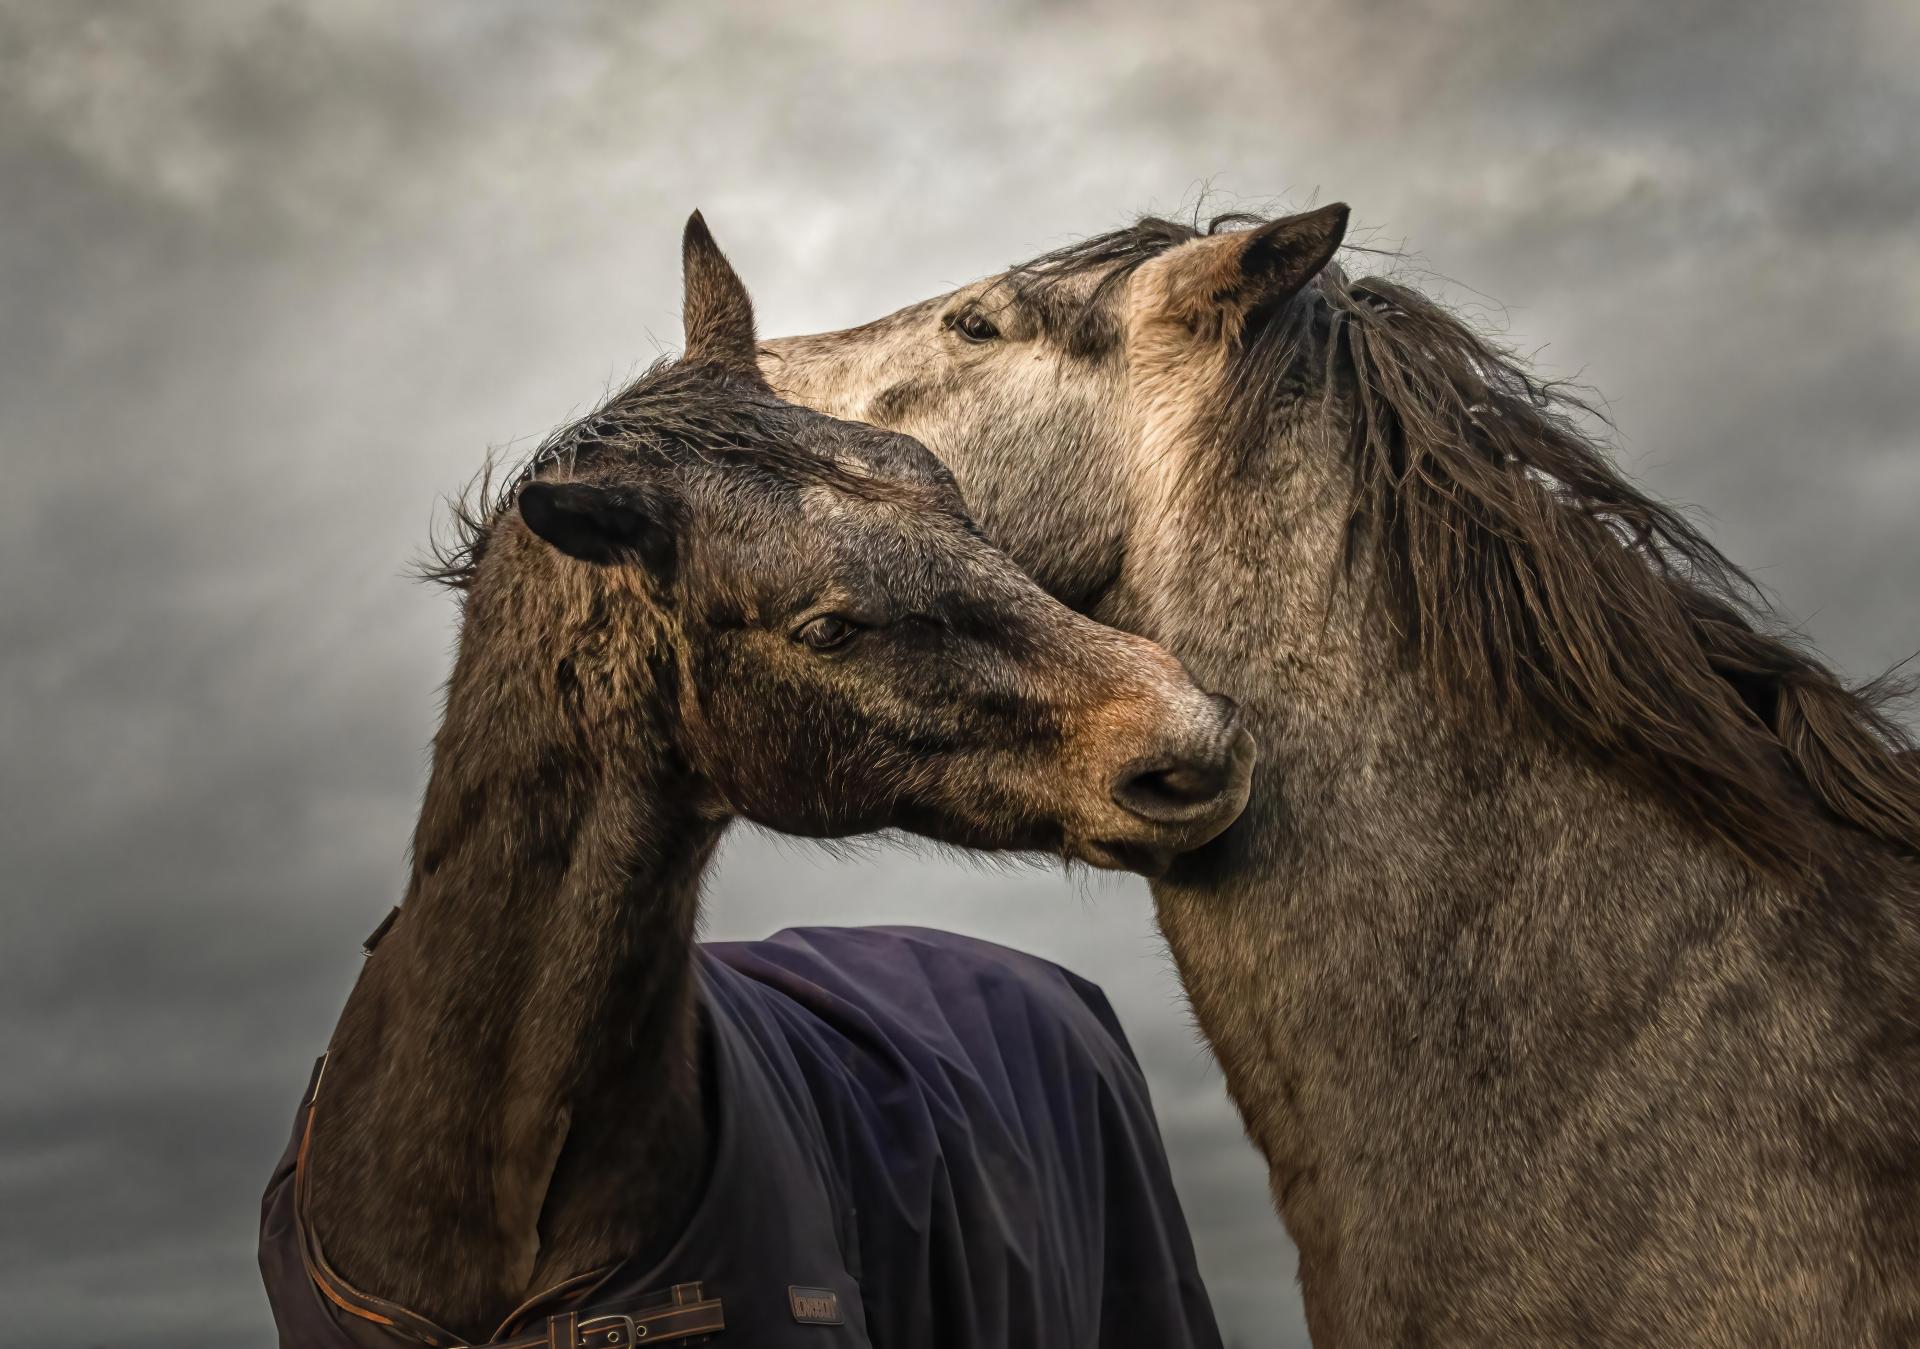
513	1093
1446	968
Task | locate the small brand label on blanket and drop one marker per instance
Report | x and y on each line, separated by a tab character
814	1306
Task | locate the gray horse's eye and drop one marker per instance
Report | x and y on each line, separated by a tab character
825	632
974	326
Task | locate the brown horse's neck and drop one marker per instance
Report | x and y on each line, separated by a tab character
513	1093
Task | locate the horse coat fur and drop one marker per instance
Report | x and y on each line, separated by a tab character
937	1141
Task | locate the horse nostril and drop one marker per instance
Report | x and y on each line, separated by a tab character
1169	793
1200	783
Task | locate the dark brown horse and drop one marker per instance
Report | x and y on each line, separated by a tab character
698	603
1566	963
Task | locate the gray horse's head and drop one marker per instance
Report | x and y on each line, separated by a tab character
1058	391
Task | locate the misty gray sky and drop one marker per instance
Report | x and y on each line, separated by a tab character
274	277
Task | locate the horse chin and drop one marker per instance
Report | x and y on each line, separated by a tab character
1112	854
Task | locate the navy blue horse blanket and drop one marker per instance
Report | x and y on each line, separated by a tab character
926	1142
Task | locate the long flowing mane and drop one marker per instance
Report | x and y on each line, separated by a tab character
1535	580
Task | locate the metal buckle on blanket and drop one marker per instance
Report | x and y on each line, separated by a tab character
610	1332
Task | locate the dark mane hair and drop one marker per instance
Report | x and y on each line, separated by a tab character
1533	578
674	411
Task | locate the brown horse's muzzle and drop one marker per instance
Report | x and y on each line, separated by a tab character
1195	783
1181	768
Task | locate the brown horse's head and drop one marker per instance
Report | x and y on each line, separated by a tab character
800	608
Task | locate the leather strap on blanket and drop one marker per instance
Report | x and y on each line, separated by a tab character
652	1318
682	1315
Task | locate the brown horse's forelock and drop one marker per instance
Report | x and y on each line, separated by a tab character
1534	580
669	413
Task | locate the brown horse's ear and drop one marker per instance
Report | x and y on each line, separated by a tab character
718	314
600	525
1228	276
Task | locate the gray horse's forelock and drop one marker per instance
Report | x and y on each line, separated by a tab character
1084	319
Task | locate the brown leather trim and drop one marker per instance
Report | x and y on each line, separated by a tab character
339	1301
309	1254
681	1313
567	1290
336	1289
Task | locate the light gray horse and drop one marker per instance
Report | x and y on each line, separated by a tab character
1566	965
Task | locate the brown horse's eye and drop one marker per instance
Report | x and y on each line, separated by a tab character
825	632
975	326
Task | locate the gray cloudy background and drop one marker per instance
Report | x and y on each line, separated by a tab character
273	277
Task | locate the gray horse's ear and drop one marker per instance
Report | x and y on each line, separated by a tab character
718	314
1228	276
600	525
1282	256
